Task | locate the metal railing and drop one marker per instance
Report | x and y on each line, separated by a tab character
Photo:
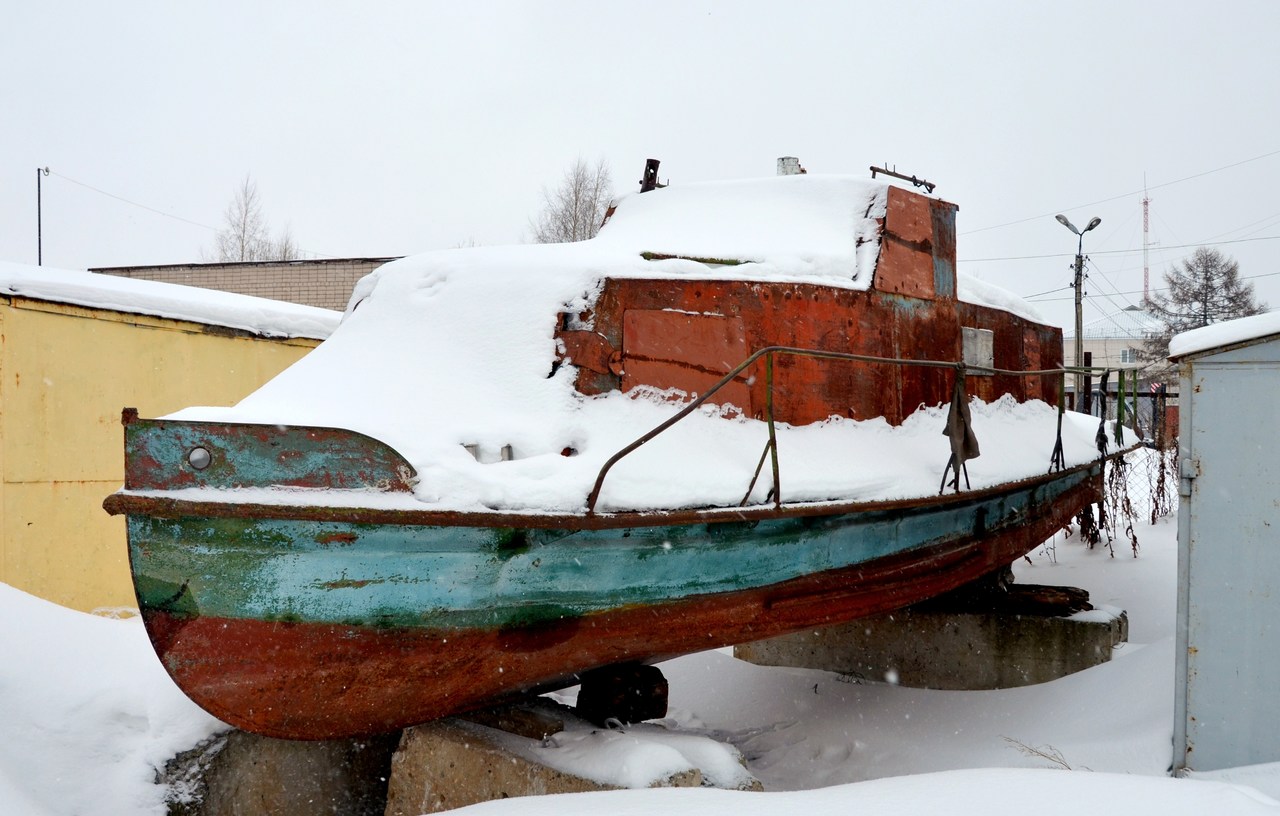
771	446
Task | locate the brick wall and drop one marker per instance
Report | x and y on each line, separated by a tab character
324	283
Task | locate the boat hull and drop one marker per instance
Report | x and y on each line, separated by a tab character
315	626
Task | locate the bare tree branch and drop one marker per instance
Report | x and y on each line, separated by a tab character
575	210
284	247
245	236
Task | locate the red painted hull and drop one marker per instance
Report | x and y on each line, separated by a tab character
325	681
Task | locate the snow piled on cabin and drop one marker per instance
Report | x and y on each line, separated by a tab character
455	348
261	316
817	229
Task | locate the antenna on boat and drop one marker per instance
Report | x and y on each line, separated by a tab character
918	182
650	179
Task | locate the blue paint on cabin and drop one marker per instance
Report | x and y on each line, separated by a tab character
944	235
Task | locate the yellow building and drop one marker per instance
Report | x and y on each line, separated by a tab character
75	349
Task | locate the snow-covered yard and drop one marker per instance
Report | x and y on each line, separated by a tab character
88	715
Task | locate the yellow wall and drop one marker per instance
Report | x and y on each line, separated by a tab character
65	374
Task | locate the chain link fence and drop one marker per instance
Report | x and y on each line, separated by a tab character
1140	488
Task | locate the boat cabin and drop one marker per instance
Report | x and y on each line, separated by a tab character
683	334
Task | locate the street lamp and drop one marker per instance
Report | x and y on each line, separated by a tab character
39	230
1078	284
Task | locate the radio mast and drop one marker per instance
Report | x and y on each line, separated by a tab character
1146	228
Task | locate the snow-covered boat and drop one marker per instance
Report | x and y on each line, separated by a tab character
460	495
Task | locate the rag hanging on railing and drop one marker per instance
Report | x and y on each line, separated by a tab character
959	428
1057	461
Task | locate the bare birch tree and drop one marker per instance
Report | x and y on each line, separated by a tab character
575	210
245	236
284	247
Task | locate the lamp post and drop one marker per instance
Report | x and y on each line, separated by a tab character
39	227
1078	284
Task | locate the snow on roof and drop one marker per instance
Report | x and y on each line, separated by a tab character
819	228
1226	333
979	292
806	224
269	318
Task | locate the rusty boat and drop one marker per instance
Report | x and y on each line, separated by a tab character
309	570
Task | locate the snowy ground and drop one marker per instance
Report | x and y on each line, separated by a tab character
87	714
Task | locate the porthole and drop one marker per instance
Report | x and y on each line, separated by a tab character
199	458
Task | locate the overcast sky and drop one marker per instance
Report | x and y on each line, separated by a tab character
389	128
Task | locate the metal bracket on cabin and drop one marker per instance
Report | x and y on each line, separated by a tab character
917	182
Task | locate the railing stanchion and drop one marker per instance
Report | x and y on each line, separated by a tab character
773	435
1120	408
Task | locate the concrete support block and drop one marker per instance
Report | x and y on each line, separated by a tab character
238	773
923	648
453	763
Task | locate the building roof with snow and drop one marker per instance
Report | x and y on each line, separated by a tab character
1227	333
267	318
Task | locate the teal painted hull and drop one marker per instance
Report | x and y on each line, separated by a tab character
465	577
315	624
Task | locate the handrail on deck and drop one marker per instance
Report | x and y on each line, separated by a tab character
771	447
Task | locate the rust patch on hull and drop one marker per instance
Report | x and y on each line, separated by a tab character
325	681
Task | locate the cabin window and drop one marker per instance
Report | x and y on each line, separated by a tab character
979	348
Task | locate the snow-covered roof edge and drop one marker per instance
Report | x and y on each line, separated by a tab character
269	318
1227	333
980	293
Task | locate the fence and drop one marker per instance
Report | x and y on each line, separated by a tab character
1151	413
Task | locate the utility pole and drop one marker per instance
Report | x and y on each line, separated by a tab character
1078	357
1078	283
39	226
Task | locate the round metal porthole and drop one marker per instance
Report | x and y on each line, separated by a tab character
199	458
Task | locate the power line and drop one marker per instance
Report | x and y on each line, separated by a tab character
1265	224
163	213
1117	251
1139	291
1123	195
134	203
1114	288
1049	292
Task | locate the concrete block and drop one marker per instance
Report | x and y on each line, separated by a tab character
238	773
465	760
453	763
922	648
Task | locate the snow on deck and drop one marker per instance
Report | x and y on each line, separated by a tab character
269	318
455	348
